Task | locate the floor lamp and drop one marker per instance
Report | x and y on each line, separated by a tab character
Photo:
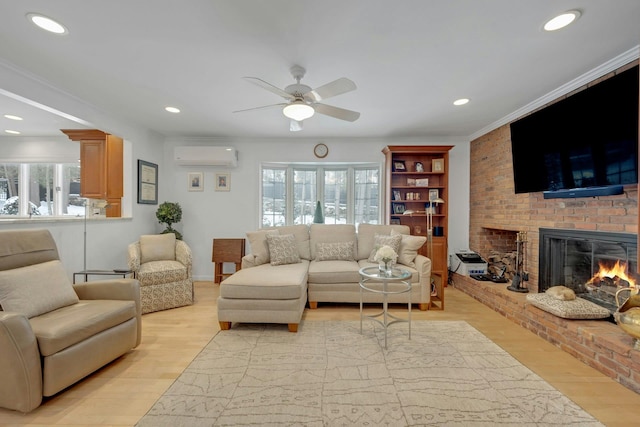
431	209
90	204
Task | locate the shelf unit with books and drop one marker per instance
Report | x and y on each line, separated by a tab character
415	177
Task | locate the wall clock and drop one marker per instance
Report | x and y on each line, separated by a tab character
321	151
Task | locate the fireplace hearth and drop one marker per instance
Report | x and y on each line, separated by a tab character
586	261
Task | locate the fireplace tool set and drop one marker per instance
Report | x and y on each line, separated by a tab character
521	275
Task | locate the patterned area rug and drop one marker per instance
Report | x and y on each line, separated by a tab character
328	374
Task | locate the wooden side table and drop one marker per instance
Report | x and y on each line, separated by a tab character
226	250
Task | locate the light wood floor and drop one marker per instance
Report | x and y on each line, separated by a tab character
121	393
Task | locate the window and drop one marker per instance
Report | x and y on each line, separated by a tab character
40	189
273	197
304	195
335	196
348	193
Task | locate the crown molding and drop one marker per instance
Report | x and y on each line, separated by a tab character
609	66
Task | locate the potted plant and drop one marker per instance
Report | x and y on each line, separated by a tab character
170	213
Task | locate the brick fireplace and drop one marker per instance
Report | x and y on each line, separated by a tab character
497	214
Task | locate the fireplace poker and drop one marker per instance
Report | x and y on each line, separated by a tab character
520	275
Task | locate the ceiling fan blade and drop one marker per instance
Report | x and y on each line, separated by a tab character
261	108
338	113
296	126
334	88
269	87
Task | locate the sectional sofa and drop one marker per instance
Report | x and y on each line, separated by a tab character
320	263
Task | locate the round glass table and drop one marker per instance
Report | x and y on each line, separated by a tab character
375	281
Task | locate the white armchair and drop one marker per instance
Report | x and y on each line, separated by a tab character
162	264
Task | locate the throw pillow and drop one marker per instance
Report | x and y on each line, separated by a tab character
409	247
381	240
259	247
341	251
574	309
36	289
283	249
301	233
157	247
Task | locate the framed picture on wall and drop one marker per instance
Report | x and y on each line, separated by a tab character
195	181
147	183
223	182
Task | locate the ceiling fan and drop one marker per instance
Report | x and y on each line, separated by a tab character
304	102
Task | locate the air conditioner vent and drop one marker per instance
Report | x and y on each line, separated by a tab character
206	156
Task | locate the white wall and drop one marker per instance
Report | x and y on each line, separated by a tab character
210	214
32	149
107	240
206	214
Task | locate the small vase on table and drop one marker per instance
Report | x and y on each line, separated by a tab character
385	267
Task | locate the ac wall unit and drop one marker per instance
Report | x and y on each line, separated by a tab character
206	156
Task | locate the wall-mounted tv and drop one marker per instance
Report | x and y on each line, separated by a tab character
588	140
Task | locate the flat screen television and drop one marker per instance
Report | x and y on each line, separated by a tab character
588	140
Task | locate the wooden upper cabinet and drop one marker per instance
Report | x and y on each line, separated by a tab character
100	167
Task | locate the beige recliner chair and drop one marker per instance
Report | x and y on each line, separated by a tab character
53	333
162	264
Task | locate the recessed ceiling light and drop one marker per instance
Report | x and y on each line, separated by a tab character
12	132
12	117
562	20
47	23
461	101
172	110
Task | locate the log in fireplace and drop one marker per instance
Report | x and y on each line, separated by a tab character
574	257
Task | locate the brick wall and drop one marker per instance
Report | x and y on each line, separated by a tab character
496	212
598	343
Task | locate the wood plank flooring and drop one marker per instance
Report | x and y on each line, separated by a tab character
122	392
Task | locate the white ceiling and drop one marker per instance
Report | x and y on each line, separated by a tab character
409	58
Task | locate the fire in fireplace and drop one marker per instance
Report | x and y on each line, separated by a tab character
604	285
594	264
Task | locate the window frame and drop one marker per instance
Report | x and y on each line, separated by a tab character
320	168
24	191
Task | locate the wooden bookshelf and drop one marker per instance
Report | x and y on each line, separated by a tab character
414	176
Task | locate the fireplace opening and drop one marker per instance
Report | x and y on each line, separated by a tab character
594	264
498	247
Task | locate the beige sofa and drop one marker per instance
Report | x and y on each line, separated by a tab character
275	289
52	333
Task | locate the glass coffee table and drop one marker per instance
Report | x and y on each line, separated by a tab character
375	281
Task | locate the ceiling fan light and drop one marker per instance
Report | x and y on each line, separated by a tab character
298	111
